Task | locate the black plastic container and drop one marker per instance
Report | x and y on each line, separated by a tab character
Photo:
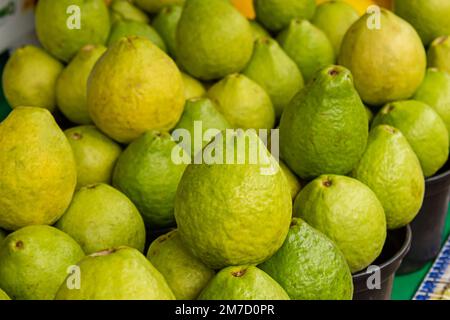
395	248
428	226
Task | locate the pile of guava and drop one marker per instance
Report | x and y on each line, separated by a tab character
186	149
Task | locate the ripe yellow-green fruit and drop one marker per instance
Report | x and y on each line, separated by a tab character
29	78
439	54
125	10
72	84
185	274
37	167
3	295
213	39
95	154
192	87
154	6
244	219
388	61
125	100
101	217
34	262
65	26
117	274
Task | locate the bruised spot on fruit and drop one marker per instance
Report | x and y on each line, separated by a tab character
88	48
264	40
440	40
92	186
19	244
103	253
390	129
388	109
327	183
333	72
239	273
77	136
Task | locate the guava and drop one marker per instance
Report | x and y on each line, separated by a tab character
101	217
155	6
220	225
428	17
392	170
125	114
439	54
277	14
34	262
422	127
125	10
184	273
71	85
192	87
308	47
335	18
258	30
243	102
3	295
275	72
117	274
21	85
38	169
348	213
313	126
226	42
435	91
166	23
205	112
309	266
146	173
65	26
95	155
123	29
293	181
243	283
388	61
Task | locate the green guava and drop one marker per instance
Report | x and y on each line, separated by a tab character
155	6
192	87
123	29
309	266
184	273
125	10
22	86
243	283
439	54
166	23
34	262
348	213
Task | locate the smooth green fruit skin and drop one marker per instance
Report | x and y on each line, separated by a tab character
38	169
243	283
335	18
124	10
308	46
205	111
192	87
219	225
258	31
275	72
146	173
101	217
71	85
58	39
293	182
428	17
439	54
122	29
166	23
243	102
388	64
29	78
95	155
125	114
226	41
34	262
422	127
3	295
277	14
185	274
392	170
435	91
155	6
117	274
348	213
313	127
309	266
